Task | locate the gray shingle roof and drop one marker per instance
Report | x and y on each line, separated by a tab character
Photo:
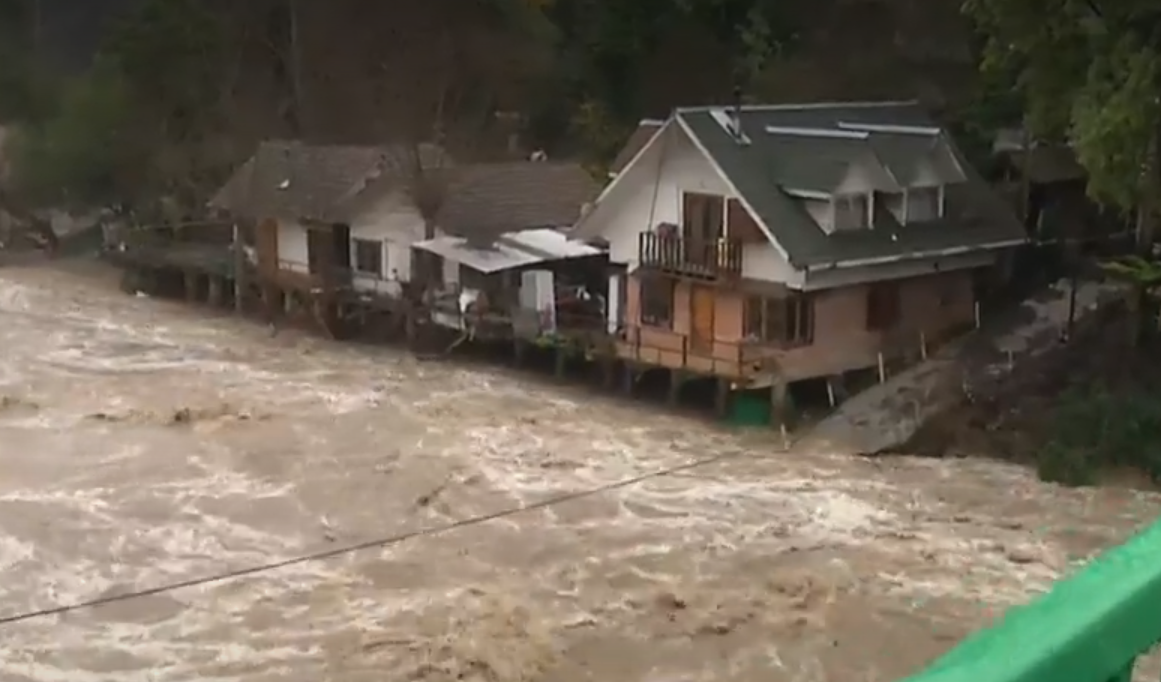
762	170
644	132
492	198
335	183
315	182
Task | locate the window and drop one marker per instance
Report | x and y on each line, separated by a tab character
657	301
882	306
369	257
850	212
922	204
786	320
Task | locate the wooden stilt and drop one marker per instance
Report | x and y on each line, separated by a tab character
779	394
191	286
676	379
240	271
609	369
722	399
217	291
561	359
628	378
520	351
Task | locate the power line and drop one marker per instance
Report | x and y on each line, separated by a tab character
368	544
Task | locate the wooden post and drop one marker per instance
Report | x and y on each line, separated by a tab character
609	367
722	399
836	389
217	291
882	369
628	378
676	379
923	345
240	282
191	286
977	314
519	350
779	394
410	326
561	359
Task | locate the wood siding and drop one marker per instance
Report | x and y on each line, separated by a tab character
931	308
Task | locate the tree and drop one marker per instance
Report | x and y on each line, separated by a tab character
88	152
1089	72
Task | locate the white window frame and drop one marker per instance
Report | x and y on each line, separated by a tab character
868	208
940	202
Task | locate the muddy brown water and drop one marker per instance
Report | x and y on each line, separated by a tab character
767	566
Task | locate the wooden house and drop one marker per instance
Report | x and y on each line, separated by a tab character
769	244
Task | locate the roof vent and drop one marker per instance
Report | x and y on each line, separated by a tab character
818	132
884	128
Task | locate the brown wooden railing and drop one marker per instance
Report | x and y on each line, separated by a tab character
707	260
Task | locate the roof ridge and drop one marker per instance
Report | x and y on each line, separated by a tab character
802	106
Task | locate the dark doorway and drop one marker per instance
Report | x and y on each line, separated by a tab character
342	246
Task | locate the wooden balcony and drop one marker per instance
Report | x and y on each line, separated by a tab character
720	260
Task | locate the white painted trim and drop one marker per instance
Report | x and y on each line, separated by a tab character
817	132
810	106
734	189
808	194
953	251
928	131
578	227
942	207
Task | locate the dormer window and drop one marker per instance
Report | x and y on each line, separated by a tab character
851	212
922	204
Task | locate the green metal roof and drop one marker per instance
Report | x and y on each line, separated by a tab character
763	169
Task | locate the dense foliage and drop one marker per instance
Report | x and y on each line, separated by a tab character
185	87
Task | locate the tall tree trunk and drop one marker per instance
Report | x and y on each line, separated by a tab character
1150	203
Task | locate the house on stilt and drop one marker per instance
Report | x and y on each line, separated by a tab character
760	246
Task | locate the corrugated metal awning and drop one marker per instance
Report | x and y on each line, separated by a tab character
511	250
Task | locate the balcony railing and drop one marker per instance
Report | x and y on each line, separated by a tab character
705	260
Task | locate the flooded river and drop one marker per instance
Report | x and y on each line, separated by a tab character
145	443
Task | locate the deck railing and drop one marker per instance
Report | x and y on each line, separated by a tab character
711	260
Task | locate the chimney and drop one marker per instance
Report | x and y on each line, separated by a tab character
737	113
